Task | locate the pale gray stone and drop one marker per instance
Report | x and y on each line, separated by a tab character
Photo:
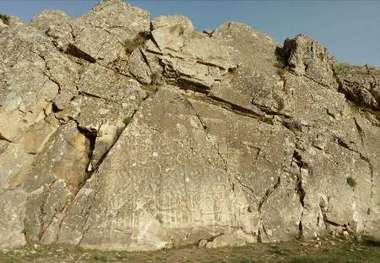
308	57
121	133
12	203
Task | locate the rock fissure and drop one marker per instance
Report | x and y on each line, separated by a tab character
76	52
327	222
92	135
203	242
250	190
297	160
55	217
268	193
324	215
234	108
84	93
2	138
343	144
360	132
204	126
44	225
91	139
322	84
47	71
85	228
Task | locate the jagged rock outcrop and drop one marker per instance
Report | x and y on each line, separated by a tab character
360	84
122	133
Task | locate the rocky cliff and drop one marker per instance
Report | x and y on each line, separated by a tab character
118	132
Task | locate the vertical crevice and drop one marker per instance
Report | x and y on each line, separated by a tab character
360	131
91	139
268	193
297	159
322	208
259	238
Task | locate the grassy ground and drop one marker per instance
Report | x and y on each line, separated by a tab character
295	252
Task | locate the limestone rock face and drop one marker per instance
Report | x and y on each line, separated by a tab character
122	133
360	84
307	57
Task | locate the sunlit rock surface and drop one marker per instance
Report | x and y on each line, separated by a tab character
118	132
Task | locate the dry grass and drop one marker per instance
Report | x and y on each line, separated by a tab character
295	252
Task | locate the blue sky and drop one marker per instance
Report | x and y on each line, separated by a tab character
350	29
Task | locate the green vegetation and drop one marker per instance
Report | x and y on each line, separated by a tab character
267	120
327	251
351	182
5	19
280	102
279	64
246	261
355	108
281	72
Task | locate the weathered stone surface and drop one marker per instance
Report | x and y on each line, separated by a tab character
3	25
188	58
360	84
56	176
170	21
258	164
237	238
26	92
106	103
101	35
118	133
308	57
12	203
188	197
17	157
138	67
255	85
108	28
47	19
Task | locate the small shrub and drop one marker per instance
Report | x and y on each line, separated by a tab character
5	19
306	260
355	108
101	258
351	182
279	64
245	261
281	72
280	102
129	45
267	120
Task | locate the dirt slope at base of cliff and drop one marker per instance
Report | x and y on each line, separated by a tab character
337	251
